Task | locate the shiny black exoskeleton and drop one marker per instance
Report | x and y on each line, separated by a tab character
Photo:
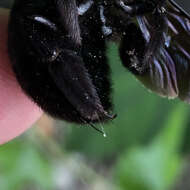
58	51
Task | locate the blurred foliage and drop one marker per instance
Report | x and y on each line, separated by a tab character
22	164
155	166
145	149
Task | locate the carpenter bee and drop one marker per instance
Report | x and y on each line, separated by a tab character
58	52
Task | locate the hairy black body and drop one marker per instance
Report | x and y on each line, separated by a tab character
58	51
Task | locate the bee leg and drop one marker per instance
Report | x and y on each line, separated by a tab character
139	8
141	44
73	80
138	50
132	50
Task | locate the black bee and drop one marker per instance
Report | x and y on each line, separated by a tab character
58	52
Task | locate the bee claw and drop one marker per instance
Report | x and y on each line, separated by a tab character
110	116
94	127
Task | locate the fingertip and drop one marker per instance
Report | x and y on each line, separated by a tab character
17	111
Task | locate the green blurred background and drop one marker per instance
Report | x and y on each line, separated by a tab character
146	148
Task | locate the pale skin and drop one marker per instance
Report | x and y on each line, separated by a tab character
17	111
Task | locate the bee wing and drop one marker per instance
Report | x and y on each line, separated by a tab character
169	73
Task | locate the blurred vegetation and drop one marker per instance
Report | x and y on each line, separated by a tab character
146	148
